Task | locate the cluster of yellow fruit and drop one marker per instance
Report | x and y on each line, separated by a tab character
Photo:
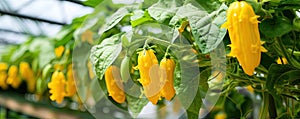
60	87
14	76
157	80
242	25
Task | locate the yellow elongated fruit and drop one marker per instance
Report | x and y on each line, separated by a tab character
114	84
3	66
242	25
70	84
28	74
250	89
57	87
3	76
284	61
146	60
149	75
13	78
59	51
220	116
168	65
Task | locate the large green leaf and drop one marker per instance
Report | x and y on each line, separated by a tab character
164	9
209	5
136	104
44	48
104	54
275	27
275	72
92	3
19	53
205	27
140	17
193	110
115	18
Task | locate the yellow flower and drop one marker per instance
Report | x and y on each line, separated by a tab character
70	84
221	116
168	65
57	87
149	75
114	84
28	74
283	59
13	78
3	77
3	66
242	25
59	51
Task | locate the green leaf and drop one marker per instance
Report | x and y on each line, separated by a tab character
80	61
104	54
46	54
19	53
46	71
205	27
164	9
275	27
136	104
115	18
95	88
289	76
92	3
209	5
289	4
275	71
140	17
193	110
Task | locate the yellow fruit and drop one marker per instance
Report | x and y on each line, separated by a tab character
3	66
168	65
57	87
250	89
114	84
28	74
13	78
70	84
149	75
3	77
221	116
242	25
59	51
280	62
146	59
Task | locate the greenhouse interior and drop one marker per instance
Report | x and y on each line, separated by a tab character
160	59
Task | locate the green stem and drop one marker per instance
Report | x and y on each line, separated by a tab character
167	51
264	110
295	41
3	112
293	52
293	107
272	109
